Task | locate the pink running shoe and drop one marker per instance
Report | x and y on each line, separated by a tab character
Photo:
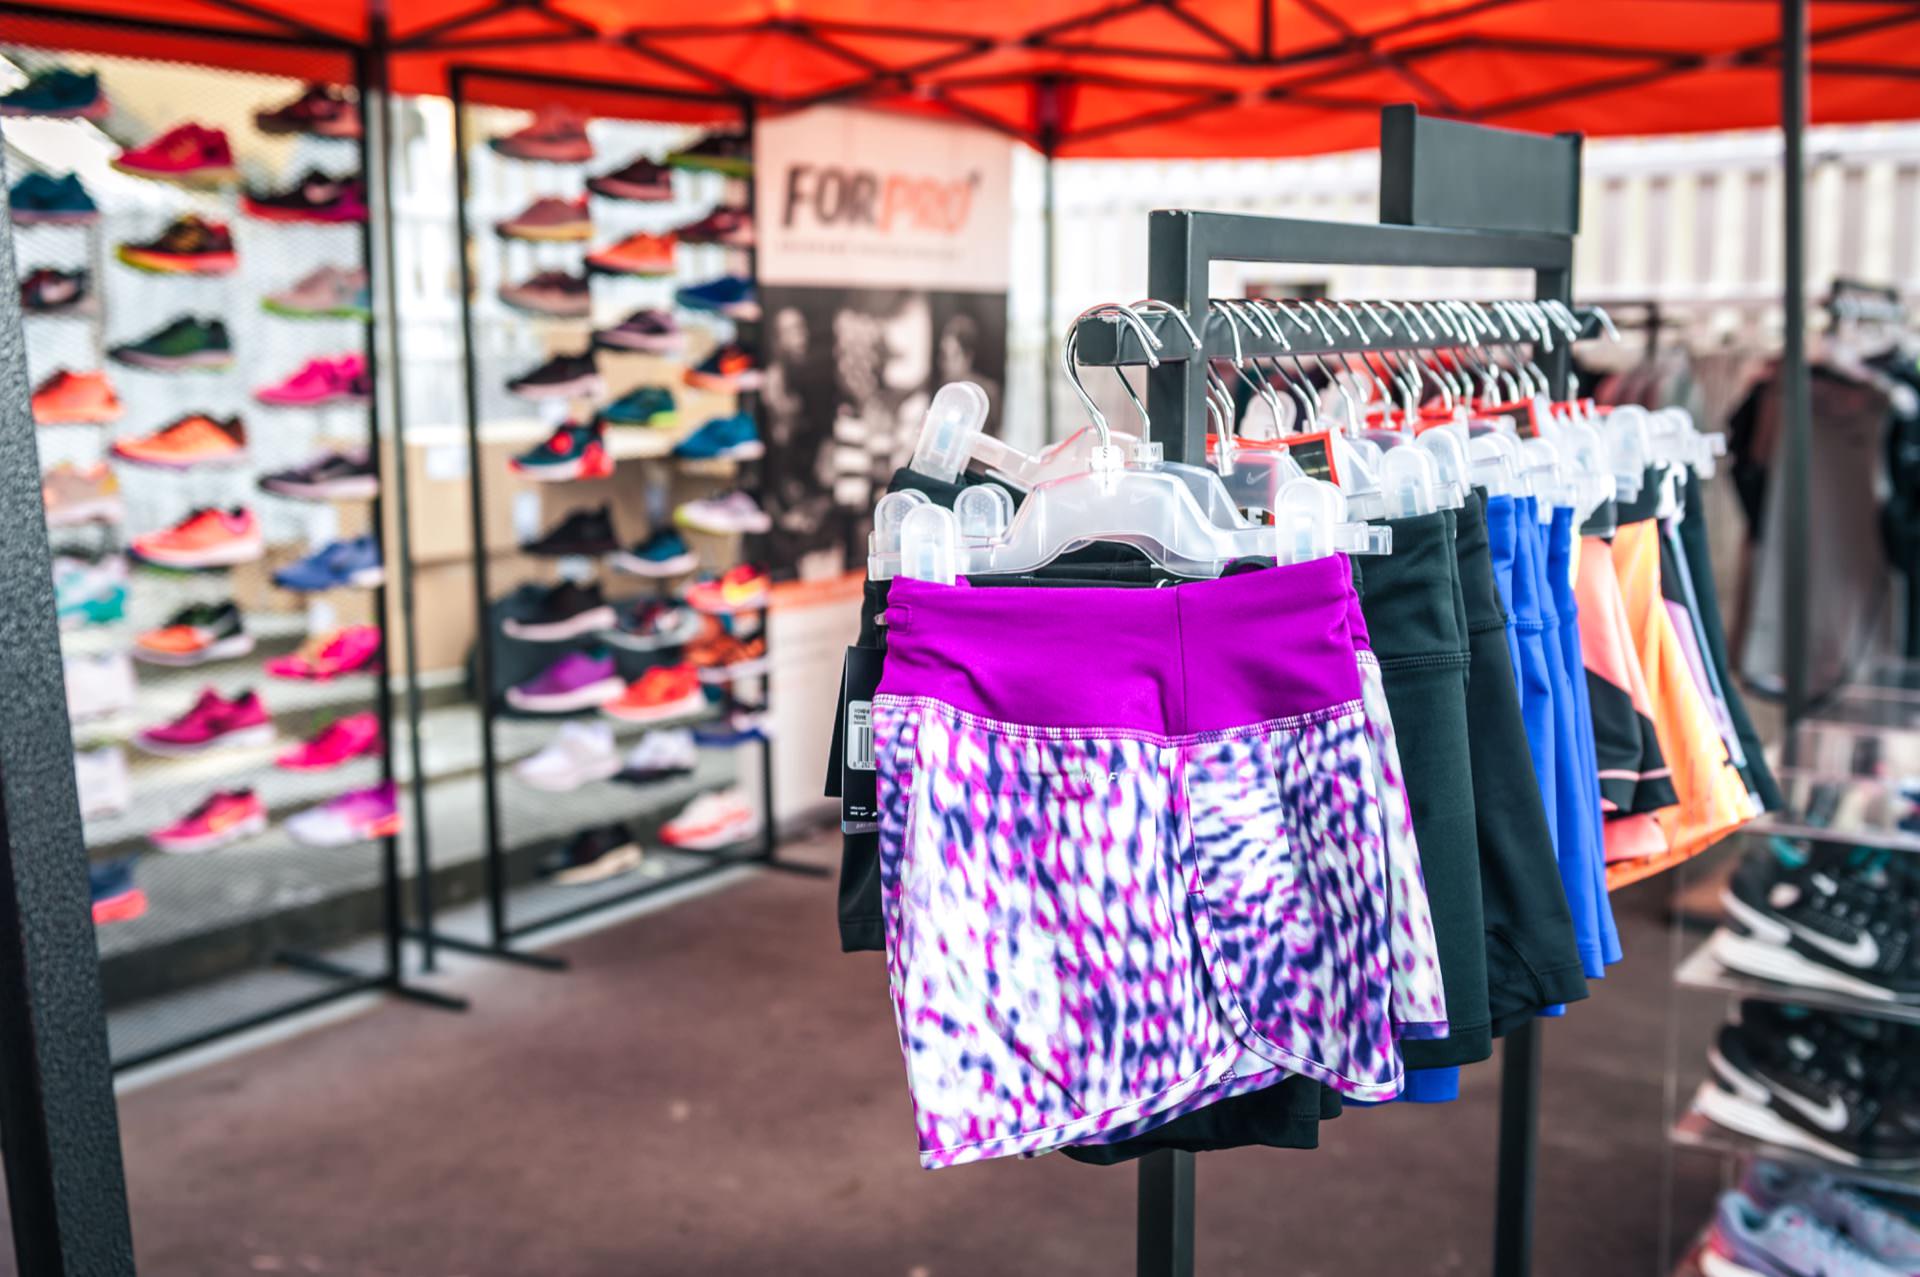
354	816
321	381
351	649
213	722
224	817
189	154
338	743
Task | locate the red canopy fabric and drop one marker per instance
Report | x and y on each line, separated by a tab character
1118	78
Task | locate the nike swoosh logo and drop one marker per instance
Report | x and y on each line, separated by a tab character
1831	1116
1862	951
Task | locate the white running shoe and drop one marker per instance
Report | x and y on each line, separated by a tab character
102	777
99	686
713	820
579	754
661	754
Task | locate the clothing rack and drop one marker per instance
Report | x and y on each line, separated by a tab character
1451	195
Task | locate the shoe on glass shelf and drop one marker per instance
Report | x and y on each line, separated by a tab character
206	538
550	220
740	727
90	593
582	533
47	291
731	438
713	821
648	330
566	611
576	450
350	564
637	254
1835	918
212	722
553	293
728	227
115	897
730	154
189	154
75	494
650	625
326	292
98	686
316	197
579	754
727	513
730	295
182	344
75	399
664	553
194	440
320	111
223	818
58	93
577	681
723	658
1889	1233
359	815
741	588
561	377
662	754
1788	1241
335	745
730	369
332	476
342	379
593	855
196	635
642	181
101	775
351	649
663	692
556	136
190	245
642	406
37	199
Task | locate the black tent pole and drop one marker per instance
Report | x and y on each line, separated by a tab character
1798	405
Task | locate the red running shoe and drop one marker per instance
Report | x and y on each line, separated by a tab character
339	742
212	723
190	154
225	818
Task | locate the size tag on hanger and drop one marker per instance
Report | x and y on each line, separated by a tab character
1314	452
853	741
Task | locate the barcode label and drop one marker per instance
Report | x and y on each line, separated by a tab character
860	736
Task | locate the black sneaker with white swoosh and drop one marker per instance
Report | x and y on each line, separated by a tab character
1845	920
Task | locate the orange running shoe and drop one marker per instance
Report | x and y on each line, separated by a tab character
204	539
194	440
75	399
637	254
724	658
663	692
742	589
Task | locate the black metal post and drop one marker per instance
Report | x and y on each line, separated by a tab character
1519	1151
1795	386
59	1128
1164	1228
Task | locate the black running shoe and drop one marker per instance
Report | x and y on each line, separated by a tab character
568	610
335	476
1841	919
586	532
1835	1086
47	291
561	377
593	855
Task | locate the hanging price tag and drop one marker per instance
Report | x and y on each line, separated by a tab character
853	741
1314	452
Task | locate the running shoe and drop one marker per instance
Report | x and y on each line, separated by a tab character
101	776
183	344
722	658
1891	1234
75	399
550	220
316	197
553	293
651	331
664	553
566	611
319	382
359	815
637	254
740	727
350	564
223	818
335	745
212	722
328	292
642	181
1824	917
730	154
99	686
651	625
642	406
561	377
189	154
556	136
577	681
732	438
58	93
87	594
721	515
75	494
321	110
578	755
731	295
728	227
574	450
1787	1241
206	538
663	692
47	291
351	649
37	199
194	440
741	588
662	754
197	634
593	855
730	369
115	896
332	476
190	245
582	532
713	821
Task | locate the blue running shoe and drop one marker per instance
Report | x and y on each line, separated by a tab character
735	438
642	406
37	198
59	94
350	563
1878	1225
731	295
662	554
1749	1241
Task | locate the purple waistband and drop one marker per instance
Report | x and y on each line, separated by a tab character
1201	657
